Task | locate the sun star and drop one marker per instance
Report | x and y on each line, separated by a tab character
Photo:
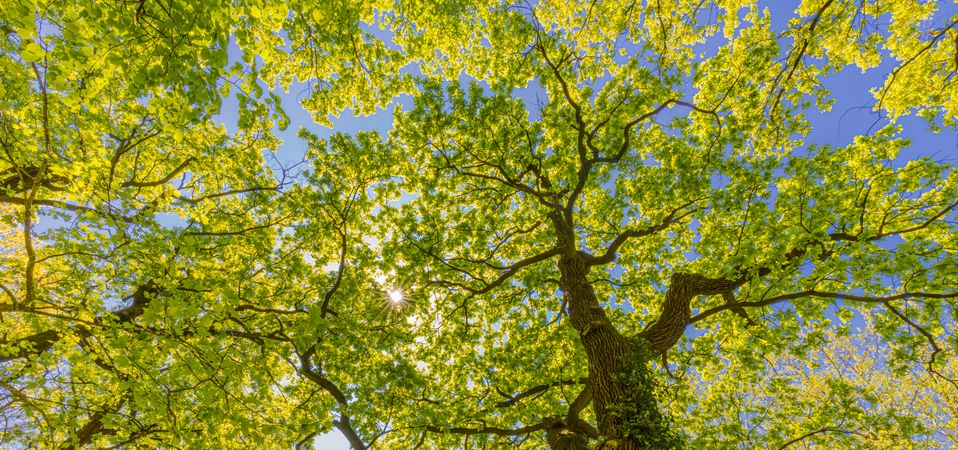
395	296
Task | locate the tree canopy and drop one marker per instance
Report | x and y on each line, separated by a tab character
589	225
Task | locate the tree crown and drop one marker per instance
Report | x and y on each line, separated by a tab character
589	224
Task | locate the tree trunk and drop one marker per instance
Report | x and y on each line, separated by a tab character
606	349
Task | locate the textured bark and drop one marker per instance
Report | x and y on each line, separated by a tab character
605	348
567	437
608	351
676	310
85	435
614	386
30	345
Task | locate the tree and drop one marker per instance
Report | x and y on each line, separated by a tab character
494	271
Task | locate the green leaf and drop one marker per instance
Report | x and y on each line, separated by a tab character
32	52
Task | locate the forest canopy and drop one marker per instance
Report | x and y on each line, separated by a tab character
478	224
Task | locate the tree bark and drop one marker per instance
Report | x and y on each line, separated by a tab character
565	436
677	308
606	350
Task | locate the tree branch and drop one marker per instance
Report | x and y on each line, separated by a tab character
580	402
544	425
342	424
173	173
801	53
64	205
676	310
857	237
30	345
813	293
810	434
611	252
515	269
45	340
92	427
513	399
84	435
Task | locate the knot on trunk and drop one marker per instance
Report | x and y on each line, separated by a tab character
571	435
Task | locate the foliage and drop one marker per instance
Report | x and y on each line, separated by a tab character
641	414
848	381
563	186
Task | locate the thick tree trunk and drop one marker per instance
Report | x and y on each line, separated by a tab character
606	349
627	415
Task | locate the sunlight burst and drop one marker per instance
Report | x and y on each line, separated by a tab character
395	296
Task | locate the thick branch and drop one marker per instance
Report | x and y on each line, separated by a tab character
92	427
30	345
580	402
45	340
676	310
504	276
516	267
64	205
85	434
29	284
810	434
